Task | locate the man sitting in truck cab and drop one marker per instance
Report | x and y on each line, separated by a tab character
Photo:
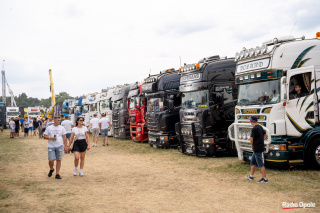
297	92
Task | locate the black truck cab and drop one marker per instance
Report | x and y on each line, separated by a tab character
120	113
163	105
209	95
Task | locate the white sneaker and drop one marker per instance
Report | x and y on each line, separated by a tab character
81	173
75	172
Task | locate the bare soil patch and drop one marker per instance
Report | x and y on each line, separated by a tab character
132	177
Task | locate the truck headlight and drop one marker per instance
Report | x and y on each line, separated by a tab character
278	147
208	140
139	129
163	138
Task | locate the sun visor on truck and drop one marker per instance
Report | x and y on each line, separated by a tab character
193	86
133	93
151	87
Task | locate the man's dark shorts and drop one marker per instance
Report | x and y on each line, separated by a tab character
257	159
68	135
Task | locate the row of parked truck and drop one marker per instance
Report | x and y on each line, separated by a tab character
203	108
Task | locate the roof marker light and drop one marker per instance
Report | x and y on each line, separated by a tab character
264	48
197	65
251	52
257	50
241	54
318	34
246	54
236	57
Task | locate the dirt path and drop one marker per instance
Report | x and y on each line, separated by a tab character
123	181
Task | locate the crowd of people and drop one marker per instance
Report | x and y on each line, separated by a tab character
63	135
29	126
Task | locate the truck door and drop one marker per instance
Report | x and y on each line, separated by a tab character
301	93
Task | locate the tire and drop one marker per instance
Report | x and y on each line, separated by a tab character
314	154
232	149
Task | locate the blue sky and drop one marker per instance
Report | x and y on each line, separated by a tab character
91	45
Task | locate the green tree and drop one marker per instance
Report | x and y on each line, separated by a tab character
61	97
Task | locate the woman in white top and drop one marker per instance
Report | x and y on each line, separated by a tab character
80	145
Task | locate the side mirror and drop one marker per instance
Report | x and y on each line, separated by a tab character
284	80
171	106
110	105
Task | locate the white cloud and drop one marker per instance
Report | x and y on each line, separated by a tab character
90	45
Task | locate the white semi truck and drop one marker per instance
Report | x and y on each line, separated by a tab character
106	107
12	112
34	112
279	82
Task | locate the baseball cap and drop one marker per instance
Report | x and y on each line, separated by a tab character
253	119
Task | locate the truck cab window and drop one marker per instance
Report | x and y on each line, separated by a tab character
300	85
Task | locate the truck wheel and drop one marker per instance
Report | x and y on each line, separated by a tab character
314	154
232	149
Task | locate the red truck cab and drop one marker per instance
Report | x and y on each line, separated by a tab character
137	113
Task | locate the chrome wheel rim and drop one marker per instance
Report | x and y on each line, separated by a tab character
317	154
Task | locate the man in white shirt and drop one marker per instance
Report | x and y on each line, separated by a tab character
94	124
104	124
67	124
56	135
12	125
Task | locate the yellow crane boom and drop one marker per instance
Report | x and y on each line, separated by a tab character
52	89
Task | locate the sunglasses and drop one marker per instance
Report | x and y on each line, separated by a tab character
80	120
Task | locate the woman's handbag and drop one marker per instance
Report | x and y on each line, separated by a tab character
74	139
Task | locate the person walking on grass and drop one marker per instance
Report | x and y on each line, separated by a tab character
94	123
30	126
104	124
17	122
258	135
80	146
35	126
56	136
26	127
21	124
40	127
68	125
12	125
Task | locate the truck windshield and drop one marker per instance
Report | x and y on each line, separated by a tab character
134	102
42	111
71	110
65	110
77	109
267	92
13	114
85	108
105	104
195	99
155	105
118	104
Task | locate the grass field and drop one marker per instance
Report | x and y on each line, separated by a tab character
143	179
